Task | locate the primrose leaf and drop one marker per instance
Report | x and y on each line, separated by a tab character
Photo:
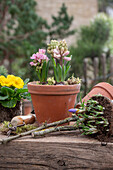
3	97
21	90
7	91
26	96
9	104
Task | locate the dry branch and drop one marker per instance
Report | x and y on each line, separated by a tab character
44	126
54	129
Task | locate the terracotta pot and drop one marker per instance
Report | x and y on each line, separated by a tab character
101	88
52	102
27	106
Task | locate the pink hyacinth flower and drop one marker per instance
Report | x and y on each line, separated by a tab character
66	53
56	51
57	56
34	57
67	58
42	51
33	64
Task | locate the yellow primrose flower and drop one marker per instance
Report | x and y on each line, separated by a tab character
10	80
18	82
3	80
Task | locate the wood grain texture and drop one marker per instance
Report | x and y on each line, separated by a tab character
62	151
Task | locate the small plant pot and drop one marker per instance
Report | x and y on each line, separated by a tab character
27	107
102	88
52	102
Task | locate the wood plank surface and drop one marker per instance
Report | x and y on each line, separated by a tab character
62	151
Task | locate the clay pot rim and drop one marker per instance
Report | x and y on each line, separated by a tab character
103	85
34	88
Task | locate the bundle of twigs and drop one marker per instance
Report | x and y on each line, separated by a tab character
94	118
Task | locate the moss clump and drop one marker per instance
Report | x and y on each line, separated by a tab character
4	128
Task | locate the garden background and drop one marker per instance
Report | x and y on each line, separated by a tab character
26	26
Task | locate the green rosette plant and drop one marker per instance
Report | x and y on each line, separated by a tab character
12	90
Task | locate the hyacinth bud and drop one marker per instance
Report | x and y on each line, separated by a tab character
53	44
62	50
49	51
65	53
63	44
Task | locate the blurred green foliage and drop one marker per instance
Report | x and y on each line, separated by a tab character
103	4
91	42
23	32
3	71
60	27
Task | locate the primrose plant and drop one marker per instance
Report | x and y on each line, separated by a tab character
12	90
58	52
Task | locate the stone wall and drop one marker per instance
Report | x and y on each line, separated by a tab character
82	11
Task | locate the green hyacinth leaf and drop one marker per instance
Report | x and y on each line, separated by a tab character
59	69
67	70
63	72
55	73
44	71
47	68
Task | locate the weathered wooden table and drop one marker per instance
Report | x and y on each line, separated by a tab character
62	151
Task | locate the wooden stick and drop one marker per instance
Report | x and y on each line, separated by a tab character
85	67
54	129
103	62
96	69
69	119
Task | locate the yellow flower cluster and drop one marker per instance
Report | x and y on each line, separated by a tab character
11	81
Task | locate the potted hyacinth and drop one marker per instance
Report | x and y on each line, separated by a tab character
12	90
53	96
